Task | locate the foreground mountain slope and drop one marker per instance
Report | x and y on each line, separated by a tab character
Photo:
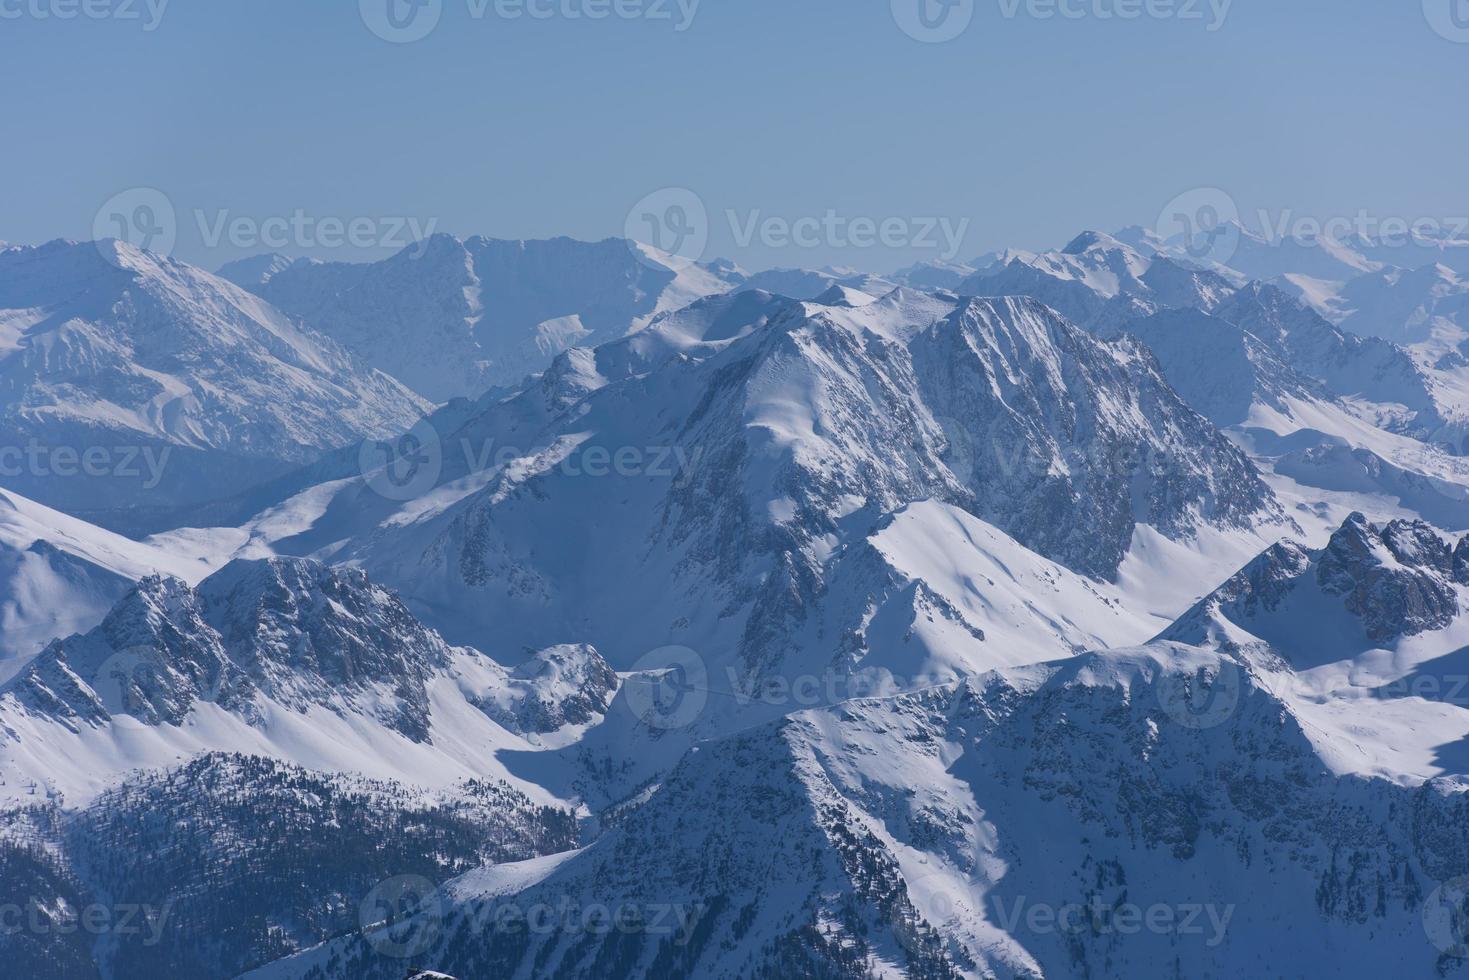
1201	806
222	863
1073	819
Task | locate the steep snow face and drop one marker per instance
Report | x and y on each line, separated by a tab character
1139	812
60	575
452	319
142	381
290	659
812	284
1109	286
1056	421
255	271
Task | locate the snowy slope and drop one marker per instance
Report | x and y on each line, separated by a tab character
59	575
146	382
1147	812
290	660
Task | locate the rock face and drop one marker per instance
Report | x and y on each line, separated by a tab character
1393	581
765	436
1085	439
1401	593
147	382
560	686
292	630
298	634
1221	342
1348	366
1098	282
1220	369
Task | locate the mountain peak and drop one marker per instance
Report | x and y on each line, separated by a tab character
1088	240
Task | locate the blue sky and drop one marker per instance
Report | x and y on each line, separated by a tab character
1021	131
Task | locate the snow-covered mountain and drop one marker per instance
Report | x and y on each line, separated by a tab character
1270	341
1192	807
227	725
453	318
785	624
59	575
796	429
296	661
133	382
1098	281
1406	306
